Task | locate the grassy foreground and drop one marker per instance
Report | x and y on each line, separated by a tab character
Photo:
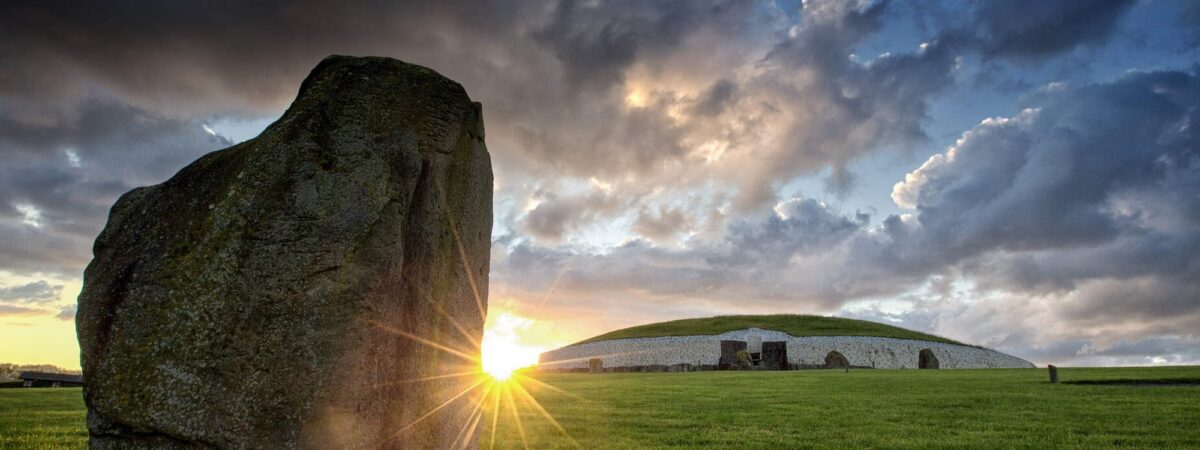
37	418
1013	408
1008	408
793	324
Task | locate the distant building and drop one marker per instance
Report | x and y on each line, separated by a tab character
770	342
46	379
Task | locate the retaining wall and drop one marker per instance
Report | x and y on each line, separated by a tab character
865	351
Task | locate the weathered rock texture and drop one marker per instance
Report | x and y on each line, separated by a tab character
260	298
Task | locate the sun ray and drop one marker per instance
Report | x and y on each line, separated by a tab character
462	253
438	407
471	338
422	340
468	430
429	378
495	415
553	285
538	405
550	386
474	426
473	418
512	407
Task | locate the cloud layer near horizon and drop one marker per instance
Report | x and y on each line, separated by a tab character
645	153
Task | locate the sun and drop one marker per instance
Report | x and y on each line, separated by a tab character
502	351
497	381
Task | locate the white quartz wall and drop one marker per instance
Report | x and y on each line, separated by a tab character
636	352
878	352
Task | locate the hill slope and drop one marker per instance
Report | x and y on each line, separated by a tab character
793	324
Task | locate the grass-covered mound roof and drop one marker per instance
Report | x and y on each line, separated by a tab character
793	324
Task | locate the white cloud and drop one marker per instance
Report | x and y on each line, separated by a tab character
30	215
73	158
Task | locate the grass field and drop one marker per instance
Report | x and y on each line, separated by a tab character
793	324
1012	408
37	418
866	408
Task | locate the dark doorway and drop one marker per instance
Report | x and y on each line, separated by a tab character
774	355
835	360
729	350
926	360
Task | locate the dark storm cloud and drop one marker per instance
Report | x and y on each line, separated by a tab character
754	260
716	98
555	76
1079	212
801	226
57	181
1190	18
1087	199
597	41
1080	167
1037	29
844	109
663	225
555	215
223	56
682	119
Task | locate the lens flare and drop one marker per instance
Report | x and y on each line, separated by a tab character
502	351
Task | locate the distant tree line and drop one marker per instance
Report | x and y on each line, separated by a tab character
10	372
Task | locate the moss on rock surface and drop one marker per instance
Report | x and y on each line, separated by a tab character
260	298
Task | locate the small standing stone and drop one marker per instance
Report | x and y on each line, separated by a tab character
729	350
743	360
1053	374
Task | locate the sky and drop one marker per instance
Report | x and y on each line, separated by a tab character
1022	175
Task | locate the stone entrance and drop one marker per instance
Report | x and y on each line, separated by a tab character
927	360
774	356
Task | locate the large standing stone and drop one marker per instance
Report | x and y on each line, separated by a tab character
267	295
729	350
774	355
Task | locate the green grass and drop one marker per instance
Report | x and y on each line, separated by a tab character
793	324
37	418
998	408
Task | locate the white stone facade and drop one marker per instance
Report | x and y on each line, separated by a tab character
878	352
